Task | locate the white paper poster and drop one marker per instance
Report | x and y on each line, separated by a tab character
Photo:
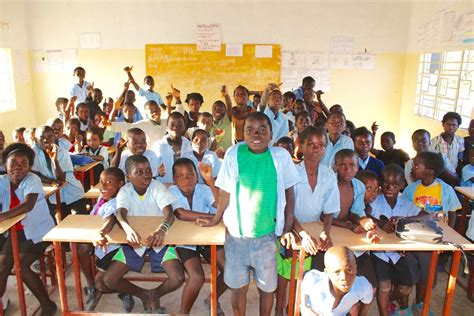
89	40
39	61
234	50
54	59
293	59
208	37
342	44
363	61
69	60
317	60
21	66
263	51
341	61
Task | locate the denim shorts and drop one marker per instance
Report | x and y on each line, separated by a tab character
243	255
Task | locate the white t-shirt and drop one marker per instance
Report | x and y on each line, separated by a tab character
150	155
105	210
209	158
316	287
154	132
79	92
165	153
100	151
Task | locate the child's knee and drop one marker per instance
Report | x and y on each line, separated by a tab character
196	278
99	283
404	290
384	287
6	264
110	280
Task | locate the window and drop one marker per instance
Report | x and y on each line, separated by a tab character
446	84
7	86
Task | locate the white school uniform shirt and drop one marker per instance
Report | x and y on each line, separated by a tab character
467	174
100	151
344	142
151	203
152	95
79	92
154	132
203	201
287	176
107	209
38	222
72	190
154	161
209	158
358	205
403	208
64	143
450	151
309	204
280	127
84	126
409	167
165	153
316	285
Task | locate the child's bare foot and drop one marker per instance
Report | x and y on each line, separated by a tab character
155	303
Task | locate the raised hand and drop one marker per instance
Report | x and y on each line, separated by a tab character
162	170
175	92
128	69
224	90
121	143
206	171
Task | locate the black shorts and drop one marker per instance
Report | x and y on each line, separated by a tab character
399	273
317	261
104	263
365	268
205	251
24	246
419	262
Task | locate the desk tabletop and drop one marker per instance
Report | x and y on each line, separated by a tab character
87	167
389	242
50	190
83	228
467	191
6	224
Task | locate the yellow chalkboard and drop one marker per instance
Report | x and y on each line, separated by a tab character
189	70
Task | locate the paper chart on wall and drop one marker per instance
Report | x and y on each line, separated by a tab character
342	44
208	37
317	60
90	40
291	78
234	50
39	61
363	61
341	61
69	60
263	51
21	66
54	59
293	59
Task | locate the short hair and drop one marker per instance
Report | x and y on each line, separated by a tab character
274	91
61	101
134	131
393	169
345	153
257	95
241	87
350	126
361	131
129	104
150	102
313	131
75	121
176	115
194	95
388	134
183	162
205	114
300	114
97	90
420	131
117	173
82	105
308	79
452	116
96	131
285	140
334	107
331	114
432	160
101	113
259	116
134	160
365	175
199	131
45	128
219	103
77	69
147	77
289	94
20	149
20	129
56	121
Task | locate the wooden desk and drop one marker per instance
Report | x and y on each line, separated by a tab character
468	193
82	229
389	242
49	190
81	170
5	225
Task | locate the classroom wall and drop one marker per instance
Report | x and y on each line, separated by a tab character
16	37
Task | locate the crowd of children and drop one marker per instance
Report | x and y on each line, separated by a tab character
264	168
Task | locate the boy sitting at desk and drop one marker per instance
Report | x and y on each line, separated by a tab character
21	192
352	214
111	180
337	289
144	196
316	199
195	200
391	267
256	192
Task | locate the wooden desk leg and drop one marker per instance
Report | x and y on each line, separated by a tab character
91	178
17	264
300	279
291	295
451	283
58	206
429	283
213	280
77	276
61	278
465	209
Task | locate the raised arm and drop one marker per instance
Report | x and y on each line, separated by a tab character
119	102
118	153
128	70
227	100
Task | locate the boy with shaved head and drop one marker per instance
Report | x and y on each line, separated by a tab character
337	289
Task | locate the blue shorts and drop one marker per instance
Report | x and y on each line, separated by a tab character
128	256
243	255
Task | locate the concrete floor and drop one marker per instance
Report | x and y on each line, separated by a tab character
111	304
